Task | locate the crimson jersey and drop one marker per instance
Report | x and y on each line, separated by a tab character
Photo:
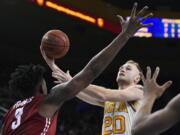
23	119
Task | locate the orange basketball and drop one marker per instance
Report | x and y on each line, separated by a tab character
55	43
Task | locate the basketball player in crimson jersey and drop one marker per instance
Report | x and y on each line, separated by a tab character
36	111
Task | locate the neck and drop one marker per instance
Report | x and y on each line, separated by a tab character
123	85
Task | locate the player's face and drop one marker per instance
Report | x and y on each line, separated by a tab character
128	73
44	87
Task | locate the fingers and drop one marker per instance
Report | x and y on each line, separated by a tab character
156	73
121	20
58	76
166	85
148	73
142	77
142	11
46	58
42	51
58	82
146	25
139	87
145	17
133	12
55	74
68	73
58	70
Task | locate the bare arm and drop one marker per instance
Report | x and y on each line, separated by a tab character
89	99
97	64
97	95
68	90
158	122
103	94
155	123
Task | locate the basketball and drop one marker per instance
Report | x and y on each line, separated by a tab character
55	43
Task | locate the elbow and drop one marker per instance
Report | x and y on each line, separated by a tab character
106	97
103	97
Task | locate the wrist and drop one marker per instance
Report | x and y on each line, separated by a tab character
151	96
126	35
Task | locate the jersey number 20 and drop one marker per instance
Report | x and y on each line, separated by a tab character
17	122
117	123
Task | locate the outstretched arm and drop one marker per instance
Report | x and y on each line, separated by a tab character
97	64
155	123
97	95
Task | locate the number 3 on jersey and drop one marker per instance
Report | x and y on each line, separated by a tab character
18	114
117	123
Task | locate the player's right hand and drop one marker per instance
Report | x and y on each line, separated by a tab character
137	90
150	85
61	76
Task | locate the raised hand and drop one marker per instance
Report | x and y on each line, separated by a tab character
61	76
133	24
49	61
150	85
137	90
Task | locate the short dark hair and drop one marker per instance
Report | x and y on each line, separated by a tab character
24	80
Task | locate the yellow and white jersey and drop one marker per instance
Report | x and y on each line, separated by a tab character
118	118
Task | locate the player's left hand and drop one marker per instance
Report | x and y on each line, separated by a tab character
61	76
133	24
150	85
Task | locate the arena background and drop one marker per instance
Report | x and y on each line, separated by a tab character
24	23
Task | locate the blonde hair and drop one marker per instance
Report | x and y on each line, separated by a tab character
136	64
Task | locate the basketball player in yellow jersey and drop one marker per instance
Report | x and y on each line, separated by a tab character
147	123
120	105
120	112
118	116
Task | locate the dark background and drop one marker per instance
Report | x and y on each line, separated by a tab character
22	25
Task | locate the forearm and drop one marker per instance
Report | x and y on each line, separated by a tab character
142	115
81	80
97	65
145	109
125	95
89	99
102	59
96	92
102	94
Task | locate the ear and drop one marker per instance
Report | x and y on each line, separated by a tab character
137	79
